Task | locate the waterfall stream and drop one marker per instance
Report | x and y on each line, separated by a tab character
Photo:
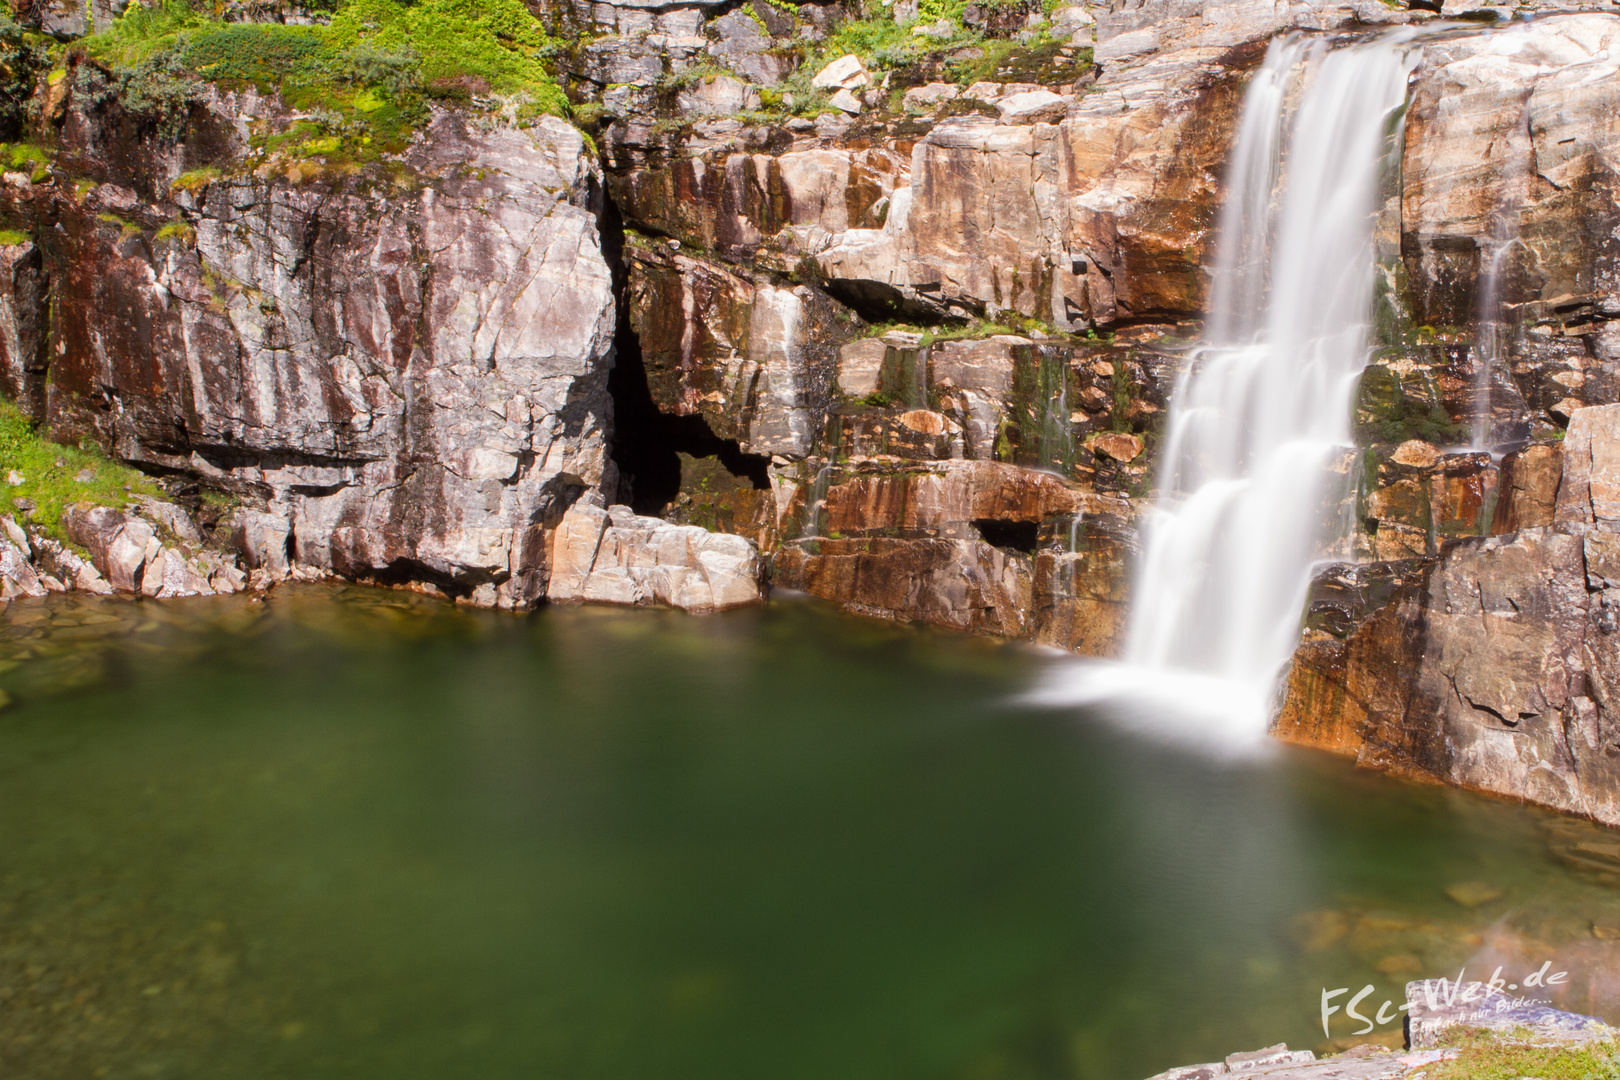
1246	487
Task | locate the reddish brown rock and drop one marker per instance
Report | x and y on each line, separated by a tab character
960	584
1530	479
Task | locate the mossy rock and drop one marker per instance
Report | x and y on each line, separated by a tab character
1393	408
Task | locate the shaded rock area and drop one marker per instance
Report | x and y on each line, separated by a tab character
973	546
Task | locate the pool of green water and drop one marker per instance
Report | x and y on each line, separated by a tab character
350	833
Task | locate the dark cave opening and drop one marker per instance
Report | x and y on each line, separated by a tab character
647	442
1009	535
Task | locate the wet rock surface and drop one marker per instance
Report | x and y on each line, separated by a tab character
1491	665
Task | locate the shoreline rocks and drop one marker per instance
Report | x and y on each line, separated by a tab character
1440	1014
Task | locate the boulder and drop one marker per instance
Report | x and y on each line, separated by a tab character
67	566
1033	106
169	573
262	540
1116	445
119	545
17	574
616	556
926	97
845	101
845	73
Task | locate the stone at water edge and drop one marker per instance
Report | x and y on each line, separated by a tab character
1472	894
1264	1062
1271	1055
616	556
1437	1006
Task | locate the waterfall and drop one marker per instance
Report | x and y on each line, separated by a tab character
1502	235
1262	411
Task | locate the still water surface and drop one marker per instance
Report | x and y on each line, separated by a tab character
351	834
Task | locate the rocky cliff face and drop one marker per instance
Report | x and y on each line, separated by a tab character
408	379
898	303
1493	665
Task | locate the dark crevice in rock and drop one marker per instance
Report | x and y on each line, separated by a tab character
647	442
877	302
406	572
1022	536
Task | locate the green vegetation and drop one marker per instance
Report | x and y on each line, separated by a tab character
11	238
881	43
194	180
365	78
179	230
26	158
1391	408
1008	322
1484	1056
53	477
1039	60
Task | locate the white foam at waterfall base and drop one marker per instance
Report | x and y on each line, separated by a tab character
1262	410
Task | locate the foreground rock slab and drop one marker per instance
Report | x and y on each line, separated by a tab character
1440	1012
1439	1009
616	556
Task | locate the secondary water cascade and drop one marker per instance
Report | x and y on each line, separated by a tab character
1262	411
1491	317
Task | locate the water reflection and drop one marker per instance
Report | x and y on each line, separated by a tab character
353	833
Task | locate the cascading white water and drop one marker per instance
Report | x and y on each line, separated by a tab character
1264	408
1491	322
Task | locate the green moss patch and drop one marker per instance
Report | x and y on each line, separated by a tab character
1392	408
1484	1056
53	477
366	77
